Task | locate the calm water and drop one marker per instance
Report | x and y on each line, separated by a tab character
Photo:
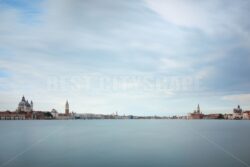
125	143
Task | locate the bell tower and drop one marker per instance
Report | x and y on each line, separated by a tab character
67	108
198	109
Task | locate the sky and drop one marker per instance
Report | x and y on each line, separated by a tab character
140	57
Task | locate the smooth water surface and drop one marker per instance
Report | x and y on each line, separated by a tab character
125	143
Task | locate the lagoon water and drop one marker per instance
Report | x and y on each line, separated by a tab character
125	143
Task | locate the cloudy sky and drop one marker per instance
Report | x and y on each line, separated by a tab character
141	57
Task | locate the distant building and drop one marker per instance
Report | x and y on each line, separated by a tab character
54	113
213	116
197	114
25	106
237	113
246	115
7	115
67	108
42	115
66	114
228	116
39	115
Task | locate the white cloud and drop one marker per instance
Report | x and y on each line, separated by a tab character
213	17
171	64
238	98
206	72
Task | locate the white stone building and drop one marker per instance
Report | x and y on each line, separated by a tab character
54	113
25	106
237	113
246	115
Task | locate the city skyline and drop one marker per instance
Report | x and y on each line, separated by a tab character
25	111
135	57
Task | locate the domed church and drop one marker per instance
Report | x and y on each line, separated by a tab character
25	106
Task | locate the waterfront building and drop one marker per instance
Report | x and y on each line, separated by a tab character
54	113
228	116
7	115
29	115
237	113
197	114
213	116
246	115
42	115
25	106
66	114
67	108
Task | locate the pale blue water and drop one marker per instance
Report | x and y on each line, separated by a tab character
125	143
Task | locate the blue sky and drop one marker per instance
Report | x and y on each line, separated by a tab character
145	57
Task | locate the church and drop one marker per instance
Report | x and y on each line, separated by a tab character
197	114
25	106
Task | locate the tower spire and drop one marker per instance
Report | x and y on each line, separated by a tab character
23	98
198	108
67	108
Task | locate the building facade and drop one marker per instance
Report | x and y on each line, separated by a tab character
197	114
228	116
67	108
246	115
213	116
237	113
7	115
25	106
54	113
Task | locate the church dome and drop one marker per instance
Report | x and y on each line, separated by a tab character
22	103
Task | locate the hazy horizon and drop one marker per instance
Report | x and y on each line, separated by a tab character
144	57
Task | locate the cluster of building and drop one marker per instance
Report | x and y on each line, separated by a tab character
66	115
237	114
114	116
25	111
